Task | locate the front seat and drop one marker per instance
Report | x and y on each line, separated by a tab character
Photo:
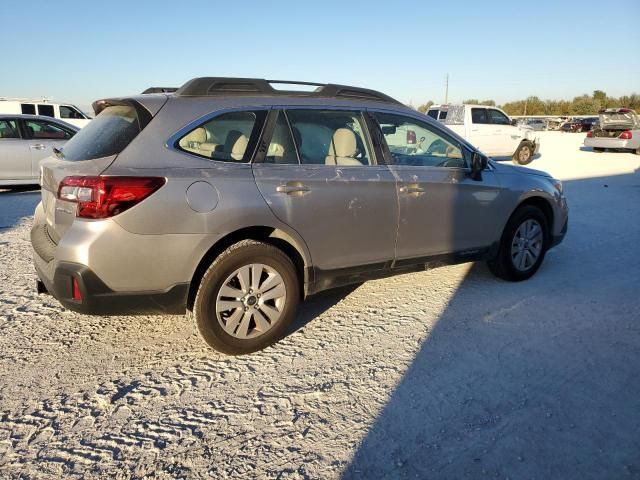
343	148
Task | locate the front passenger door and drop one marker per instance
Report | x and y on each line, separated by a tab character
442	209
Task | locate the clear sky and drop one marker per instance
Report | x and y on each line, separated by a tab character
79	51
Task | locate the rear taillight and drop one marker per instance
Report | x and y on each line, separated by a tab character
589	134
411	137
75	290
103	197
626	135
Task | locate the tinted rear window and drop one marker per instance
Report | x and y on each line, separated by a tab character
107	134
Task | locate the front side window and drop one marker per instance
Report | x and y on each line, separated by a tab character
106	135
498	118
46	110
224	138
70	112
28	108
433	114
8	129
41	130
479	115
326	137
414	143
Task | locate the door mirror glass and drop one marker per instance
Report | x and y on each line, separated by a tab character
478	164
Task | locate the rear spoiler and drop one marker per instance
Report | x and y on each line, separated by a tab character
159	90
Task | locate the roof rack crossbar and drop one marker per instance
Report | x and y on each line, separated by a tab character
213	86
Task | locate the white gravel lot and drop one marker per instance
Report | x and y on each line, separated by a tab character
449	373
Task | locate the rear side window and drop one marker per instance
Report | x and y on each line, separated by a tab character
227	138
107	134
46	110
281	148
8	129
479	115
329	137
41	130
28	108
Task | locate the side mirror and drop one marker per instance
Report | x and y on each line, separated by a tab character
478	164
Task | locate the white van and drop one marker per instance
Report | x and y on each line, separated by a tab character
63	111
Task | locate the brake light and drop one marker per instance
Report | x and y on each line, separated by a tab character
626	135
77	294
411	137
103	197
589	134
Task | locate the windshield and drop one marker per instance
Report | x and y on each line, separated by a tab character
107	134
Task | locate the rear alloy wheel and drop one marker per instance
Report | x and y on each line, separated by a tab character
523	245
247	298
523	154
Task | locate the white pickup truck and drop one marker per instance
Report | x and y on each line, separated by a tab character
490	130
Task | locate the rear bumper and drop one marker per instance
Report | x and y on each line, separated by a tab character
605	142
98	299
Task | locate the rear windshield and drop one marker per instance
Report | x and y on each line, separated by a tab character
107	134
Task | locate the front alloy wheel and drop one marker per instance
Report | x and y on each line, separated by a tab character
527	244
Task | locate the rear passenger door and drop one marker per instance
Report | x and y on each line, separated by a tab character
319	174
15	159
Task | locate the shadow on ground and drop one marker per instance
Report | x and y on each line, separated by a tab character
537	379
16	204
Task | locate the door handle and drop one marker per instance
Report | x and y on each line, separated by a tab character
412	189
474	129
290	189
38	146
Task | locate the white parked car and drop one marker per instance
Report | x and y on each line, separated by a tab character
491	130
62	111
24	141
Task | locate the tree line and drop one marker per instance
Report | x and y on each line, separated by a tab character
582	105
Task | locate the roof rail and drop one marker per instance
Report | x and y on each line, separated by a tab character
214	86
160	90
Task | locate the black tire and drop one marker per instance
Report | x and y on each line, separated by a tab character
523	154
236	256
598	149
503	265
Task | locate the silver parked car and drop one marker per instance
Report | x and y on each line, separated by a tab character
24	141
234	200
619	129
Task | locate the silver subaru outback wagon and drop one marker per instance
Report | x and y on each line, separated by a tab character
234	200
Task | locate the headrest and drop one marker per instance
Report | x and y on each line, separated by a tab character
236	144
199	135
343	143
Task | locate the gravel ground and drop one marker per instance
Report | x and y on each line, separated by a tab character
449	373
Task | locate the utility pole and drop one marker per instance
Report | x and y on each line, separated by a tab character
446	90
